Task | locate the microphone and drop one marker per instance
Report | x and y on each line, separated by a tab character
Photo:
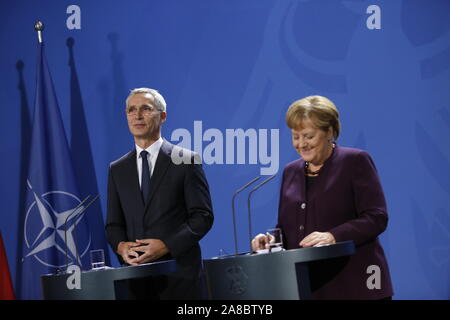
248	204
65	226
234	211
78	217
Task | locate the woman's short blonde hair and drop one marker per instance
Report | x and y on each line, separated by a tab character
319	110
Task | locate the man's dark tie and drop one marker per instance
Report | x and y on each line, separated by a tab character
145	181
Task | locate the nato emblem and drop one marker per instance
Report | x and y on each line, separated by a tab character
238	280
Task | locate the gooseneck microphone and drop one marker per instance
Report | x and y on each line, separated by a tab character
80	214
234	211
249	212
65	226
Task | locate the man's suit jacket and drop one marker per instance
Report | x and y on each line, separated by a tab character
178	212
347	200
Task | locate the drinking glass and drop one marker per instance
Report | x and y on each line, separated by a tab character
276	239
97	259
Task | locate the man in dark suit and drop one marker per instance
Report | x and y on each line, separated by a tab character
158	208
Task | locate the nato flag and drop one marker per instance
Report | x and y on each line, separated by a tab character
52	197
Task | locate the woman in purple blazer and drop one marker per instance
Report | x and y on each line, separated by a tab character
332	194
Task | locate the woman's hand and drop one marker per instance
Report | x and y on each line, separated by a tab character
316	239
261	241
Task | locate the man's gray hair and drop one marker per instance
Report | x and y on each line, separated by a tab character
160	103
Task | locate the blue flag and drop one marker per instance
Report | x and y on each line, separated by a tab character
53	199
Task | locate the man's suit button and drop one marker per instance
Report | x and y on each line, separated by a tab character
303	205
301	228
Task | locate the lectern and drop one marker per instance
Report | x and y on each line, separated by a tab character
283	275
106	284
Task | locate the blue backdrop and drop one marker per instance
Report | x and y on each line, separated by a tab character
229	64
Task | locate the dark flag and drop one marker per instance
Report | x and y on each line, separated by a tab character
52	197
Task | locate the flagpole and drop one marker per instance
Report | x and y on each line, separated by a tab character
39	26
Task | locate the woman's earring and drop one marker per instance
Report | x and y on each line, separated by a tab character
333	144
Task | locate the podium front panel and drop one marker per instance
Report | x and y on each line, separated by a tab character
101	284
280	275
